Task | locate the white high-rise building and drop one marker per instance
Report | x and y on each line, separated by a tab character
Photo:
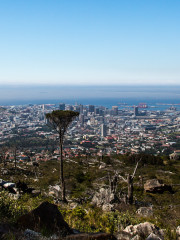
103	130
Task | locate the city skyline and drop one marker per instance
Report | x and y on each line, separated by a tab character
90	42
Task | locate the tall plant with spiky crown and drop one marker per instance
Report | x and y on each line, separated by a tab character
59	121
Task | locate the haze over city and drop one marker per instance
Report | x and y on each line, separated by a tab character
89	42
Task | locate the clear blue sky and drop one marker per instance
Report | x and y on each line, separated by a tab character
90	41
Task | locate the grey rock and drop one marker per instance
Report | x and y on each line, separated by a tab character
103	165
123	235
55	191
137	237
104	197
9	185
145	211
107	207
144	230
153	236
73	205
36	193
178	232
32	235
5	172
156	186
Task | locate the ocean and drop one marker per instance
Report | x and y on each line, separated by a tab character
156	97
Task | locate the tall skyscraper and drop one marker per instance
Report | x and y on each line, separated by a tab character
103	130
136	112
91	108
81	119
96	110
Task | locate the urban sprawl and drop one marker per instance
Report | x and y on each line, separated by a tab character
97	131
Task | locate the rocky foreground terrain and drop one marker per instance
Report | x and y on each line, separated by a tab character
48	217
98	205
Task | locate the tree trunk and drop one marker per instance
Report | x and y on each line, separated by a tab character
4	160
130	189
63	193
15	165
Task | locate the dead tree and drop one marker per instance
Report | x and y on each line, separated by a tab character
14	151
3	153
113	183
36	169
59	120
129	182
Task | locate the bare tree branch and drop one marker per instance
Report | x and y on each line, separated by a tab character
135	168
125	180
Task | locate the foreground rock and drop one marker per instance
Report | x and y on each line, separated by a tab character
156	186
45	217
143	230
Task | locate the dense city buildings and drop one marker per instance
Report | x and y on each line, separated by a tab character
62	106
115	131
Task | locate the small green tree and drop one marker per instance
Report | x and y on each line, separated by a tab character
59	121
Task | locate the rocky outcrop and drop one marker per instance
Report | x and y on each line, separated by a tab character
46	216
156	186
105	199
143	230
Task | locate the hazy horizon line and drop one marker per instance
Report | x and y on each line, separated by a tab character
85	85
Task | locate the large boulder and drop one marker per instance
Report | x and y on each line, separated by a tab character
144	230
156	186
46	217
104	198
